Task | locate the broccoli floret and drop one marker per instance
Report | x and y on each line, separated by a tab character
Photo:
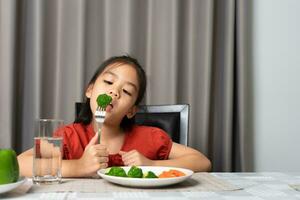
116	171
150	174
103	100
135	172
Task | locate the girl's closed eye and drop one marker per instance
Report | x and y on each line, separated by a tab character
127	92
108	82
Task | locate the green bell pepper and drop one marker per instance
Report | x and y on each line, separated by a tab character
9	167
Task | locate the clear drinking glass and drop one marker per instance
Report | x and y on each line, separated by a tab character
47	156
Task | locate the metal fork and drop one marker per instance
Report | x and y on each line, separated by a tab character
100	117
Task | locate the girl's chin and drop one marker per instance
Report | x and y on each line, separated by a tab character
109	117
111	123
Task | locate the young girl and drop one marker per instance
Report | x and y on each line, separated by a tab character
122	142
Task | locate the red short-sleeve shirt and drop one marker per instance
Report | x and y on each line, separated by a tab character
152	142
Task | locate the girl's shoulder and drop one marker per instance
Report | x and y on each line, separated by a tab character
72	129
145	129
149	139
148	132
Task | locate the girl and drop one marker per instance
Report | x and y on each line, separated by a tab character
122	143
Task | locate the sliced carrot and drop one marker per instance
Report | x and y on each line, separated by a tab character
177	172
171	173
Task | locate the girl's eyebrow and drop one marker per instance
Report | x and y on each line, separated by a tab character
128	82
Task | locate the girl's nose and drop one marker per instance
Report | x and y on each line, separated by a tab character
114	94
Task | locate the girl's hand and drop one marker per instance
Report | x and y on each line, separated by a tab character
95	157
134	157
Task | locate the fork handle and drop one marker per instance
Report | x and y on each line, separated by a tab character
99	131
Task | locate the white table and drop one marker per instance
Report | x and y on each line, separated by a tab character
254	186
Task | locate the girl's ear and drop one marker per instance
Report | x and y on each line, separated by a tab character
132	112
88	92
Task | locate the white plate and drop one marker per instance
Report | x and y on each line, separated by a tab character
147	182
11	186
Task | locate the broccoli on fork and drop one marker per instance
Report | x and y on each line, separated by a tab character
103	100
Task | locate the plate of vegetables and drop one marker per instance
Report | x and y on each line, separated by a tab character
145	176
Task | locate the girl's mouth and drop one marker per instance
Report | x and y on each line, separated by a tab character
109	107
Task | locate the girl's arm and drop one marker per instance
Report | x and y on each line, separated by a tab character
185	157
95	156
25	163
69	167
180	156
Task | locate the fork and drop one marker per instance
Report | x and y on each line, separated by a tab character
100	117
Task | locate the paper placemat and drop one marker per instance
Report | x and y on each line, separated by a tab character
295	187
198	182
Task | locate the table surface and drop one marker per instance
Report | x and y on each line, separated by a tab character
253	186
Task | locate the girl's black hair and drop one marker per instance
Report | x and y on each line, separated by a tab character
85	115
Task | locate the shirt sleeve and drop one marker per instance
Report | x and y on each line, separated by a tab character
163	143
65	142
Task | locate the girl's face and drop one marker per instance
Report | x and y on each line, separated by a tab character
119	81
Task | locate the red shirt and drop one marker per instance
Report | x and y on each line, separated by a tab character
152	142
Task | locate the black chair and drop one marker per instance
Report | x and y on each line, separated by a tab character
174	119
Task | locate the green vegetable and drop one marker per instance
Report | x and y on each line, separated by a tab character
150	174
103	100
116	171
135	172
9	167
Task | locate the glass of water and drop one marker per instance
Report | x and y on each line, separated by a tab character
47	156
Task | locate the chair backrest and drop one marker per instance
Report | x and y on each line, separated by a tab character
174	119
